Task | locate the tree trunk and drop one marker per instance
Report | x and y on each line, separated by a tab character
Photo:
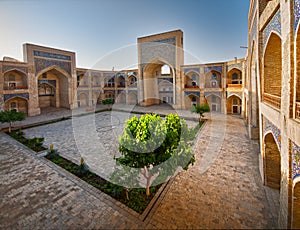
9	128
126	192
148	186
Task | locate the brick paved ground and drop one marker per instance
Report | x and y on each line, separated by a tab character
227	192
222	190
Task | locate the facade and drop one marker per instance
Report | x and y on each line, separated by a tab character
49	78
264	88
272	99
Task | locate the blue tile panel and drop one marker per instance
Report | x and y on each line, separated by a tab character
210	68
152	51
269	126
296	160
165	79
6	68
50	82
132	91
191	93
274	25
10	96
167	40
296	13
41	64
197	70
51	55
219	94
236	65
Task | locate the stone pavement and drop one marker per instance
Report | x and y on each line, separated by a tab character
222	190
35	194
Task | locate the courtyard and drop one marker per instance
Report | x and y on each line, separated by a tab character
222	190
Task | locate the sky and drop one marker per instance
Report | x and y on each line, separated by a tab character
106	31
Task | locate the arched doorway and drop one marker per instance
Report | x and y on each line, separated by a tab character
132	99
234	77
234	105
121	98
214	103
191	80
272	162
191	100
272	72
213	79
14	79
296	207
54	88
153	73
82	100
132	81
18	104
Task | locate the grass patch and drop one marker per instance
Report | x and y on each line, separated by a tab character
36	143
138	201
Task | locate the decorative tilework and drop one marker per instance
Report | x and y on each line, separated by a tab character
167	40
95	74
219	94
109	91
296	13
8	67
41	64
108	74
132	73
197	70
191	93
132	91
274	25
120	75
253	10
10	96
151	51
236	65
210	68
51	55
165	79
269	126
239	94
50	82
296	160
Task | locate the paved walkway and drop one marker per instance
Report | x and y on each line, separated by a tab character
222	190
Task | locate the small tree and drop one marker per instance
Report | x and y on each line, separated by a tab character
150	141
11	116
200	109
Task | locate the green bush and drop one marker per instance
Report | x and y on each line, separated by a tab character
108	101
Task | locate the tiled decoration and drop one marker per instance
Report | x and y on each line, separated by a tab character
121	75
132	73
50	82
132	91
296	13
41	64
218	94
253	31
51	55
296	160
109	74
159	80
10	96
253	10
171	41
234	93
6	68
151	51
192	93
197	70
274	25
210	68
269	126
235	65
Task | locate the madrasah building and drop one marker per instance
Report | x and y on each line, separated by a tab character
264	88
